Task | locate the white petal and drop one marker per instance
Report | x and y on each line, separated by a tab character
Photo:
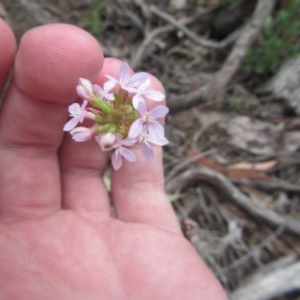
127	154
147	152
108	86
71	124
155	130
135	128
159	111
74	109
124	71
142	107
81	134
136	101
138	79
155	95
116	160
127	141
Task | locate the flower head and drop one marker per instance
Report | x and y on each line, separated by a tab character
120	116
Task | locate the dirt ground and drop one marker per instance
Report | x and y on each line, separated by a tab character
232	166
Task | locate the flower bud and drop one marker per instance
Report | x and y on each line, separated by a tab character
85	89
106	141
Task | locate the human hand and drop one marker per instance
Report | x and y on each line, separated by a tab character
58	239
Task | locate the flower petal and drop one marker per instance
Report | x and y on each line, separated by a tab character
136	101
135	128
74	109
127	154
147	152
71	124
124	71
81	134
154	95
126	142
142	107
155	130
159	111
139	79
116	160
109	85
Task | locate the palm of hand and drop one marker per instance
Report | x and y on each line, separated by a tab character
57	237
66	256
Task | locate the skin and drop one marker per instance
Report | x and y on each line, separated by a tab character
58	239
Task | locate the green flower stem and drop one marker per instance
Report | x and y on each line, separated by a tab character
118	100
103	106
101	119
106	128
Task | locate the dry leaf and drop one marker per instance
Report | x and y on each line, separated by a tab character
263	166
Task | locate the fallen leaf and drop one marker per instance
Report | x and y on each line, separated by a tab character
262	166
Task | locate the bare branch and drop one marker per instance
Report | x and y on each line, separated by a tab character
234	195
150	36
232	63
264	286
190	34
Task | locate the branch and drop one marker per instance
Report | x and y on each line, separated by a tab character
233	194
269	285
142	50
224	75
191	35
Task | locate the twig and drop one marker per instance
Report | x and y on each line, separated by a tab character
264	286
232	63
196	39
233	194
273	185
142	50
131	15
150	36
252	253
180	166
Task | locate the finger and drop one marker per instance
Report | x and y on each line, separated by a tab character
50	60
138	188
83	165
7	50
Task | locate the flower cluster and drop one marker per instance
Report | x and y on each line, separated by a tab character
120	116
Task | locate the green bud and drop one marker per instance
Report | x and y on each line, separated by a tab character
106	128
102	105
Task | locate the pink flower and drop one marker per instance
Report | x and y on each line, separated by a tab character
82	134
147	141
122	152
142	92
148	121
126	80
78	113
105	92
